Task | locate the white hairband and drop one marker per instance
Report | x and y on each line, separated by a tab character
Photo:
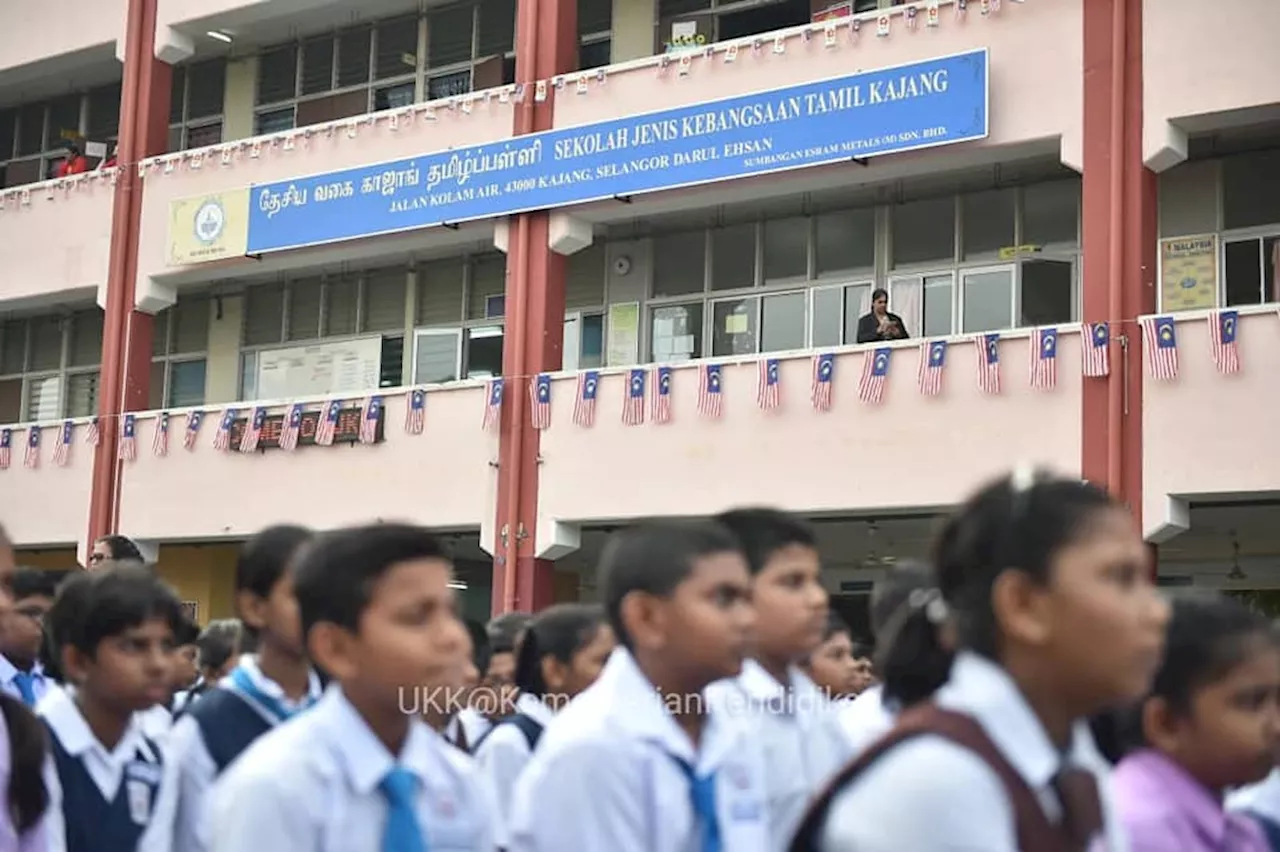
929	600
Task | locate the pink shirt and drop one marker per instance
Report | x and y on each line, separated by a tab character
35	839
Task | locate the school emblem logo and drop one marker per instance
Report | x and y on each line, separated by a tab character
210	221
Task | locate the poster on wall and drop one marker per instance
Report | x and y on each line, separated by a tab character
343	366
1188	273
623	334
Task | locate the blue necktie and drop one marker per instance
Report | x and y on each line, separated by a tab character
403	832
276	708
26	683
702	795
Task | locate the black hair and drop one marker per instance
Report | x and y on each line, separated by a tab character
504	632
95	605
890	593
122	548
879	293
218	642
862	650
28	798
265	557
655	558
558	631
1019	522
763	532
32	583
481	652
186	634
835	626
335	579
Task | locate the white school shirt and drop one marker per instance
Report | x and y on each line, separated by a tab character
799	732
503	755
865	719
607	775
196	769
311	785
473	724
1262	798
931	795
8	680
106	768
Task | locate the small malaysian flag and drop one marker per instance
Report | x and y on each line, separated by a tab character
767	395
1160	339
222	437
415	414
252	433
1044	358
987	347
369	422
633	402
824	368
327	428
62	450
1223	326
584	404
933	362
290	429
875	372
129	438
6	448
1096	361
191	429
160	440
93	434
662	395
492	405
540	399
709	395
32	456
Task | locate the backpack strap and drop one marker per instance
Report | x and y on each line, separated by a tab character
526	724
1034	831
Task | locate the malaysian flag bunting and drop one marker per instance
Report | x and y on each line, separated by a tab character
1044	358
369	422
129	438
492	405
987	347
252	433
933	361
290	429
662	395
1223	326
767	396
191	429
222	438
540	400
32	457
62	450
633	402
584	404
1160	339
709	391
415	413
160	440
6	448
327	427
824	368
875	371
93	434
1096	361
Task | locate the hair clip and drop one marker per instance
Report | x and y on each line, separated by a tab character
1022	478
929	600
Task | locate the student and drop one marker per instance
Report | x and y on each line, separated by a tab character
504	635
114	548
795	722
461	724
440	709
636	762
217	648
1044	590
562	652
832	666
357	773
1209	723
186	670
1261	801
263	690
110	789
22	633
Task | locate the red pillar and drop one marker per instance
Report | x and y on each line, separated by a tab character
546	45
126	348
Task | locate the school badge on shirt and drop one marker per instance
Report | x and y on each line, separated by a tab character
141	781
744	802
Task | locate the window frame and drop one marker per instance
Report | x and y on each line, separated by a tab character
187	124
1258	234
63	372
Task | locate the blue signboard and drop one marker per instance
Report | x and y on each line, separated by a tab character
889	110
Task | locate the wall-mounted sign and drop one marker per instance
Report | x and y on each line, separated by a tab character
208	227
1188	273
347	431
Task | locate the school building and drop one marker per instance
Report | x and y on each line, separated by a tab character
524	270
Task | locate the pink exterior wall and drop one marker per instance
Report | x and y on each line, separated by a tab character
441	478
1206	434
48	505
912	451
55	237
36	30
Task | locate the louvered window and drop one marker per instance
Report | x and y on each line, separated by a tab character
317	65
86	339
190	326
278	74
104	113
440	292
488	278
30	129
44	398
342	303
13	347
82	394
353	56
46	343
384	293
584	278
449	35
594	16
497	28
263	314
187	383
305	298
396	48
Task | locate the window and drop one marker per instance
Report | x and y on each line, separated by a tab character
988	222
675	332
1046	292
1252	270
49	366
986	299
680	263
734	326
196	104
733	257
33	136
1251	189
924	231
721	20
835	312
470	46
845	240
786	248
179	343
1051	213
782	322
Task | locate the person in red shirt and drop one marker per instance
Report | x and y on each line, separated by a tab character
73	164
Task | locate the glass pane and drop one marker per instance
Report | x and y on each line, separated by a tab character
679	263
497	27
155	389
394	97
317	65
10	401
595	54
353	57
64	119
1050	213
782	323
857	301
1244	272
273	122
675	332
82	394
209	134
1251	189
436	358
208	88
44	398
987	222
733	257
277	74
786	248
845	239
449	85
1271	261
937	306
13	347
988	300
592	352
186	383
1046	293
449	35
734	326
484	353
30	129
249	376
924	231
391	373
397	47
46	343
826	326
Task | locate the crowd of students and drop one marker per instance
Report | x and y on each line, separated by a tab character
1032	692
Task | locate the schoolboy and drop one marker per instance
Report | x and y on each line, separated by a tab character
21	634
110	788
793	720
217	652
185	666
356	773
262	691
636	761
450	712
